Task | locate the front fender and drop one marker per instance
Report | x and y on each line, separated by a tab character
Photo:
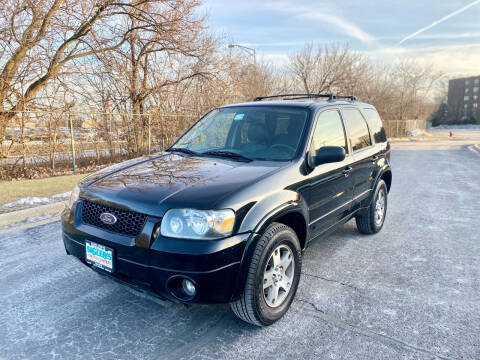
259	217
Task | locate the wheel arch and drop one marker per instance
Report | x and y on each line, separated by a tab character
385	174
387	177
293	214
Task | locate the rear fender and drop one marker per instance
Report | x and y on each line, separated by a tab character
380	173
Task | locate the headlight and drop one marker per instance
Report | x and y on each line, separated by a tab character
197	224
74	196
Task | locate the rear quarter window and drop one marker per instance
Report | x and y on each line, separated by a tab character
375	124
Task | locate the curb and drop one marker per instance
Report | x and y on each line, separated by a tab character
30	225
21	216
475	148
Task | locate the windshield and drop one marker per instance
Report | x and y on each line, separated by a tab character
256	132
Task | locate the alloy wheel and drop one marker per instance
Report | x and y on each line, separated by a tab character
278	276
380	207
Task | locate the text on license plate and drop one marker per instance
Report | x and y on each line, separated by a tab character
99	255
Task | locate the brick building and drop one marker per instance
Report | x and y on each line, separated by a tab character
464	100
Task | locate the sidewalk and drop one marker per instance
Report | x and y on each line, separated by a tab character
35	216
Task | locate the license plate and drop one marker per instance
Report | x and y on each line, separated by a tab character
99	256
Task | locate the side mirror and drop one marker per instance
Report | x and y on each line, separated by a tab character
328	154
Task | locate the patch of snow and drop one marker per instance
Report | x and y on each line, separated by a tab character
457	127
35	201
390	312
29	201
417	132
64	195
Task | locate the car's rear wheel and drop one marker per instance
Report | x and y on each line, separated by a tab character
371	221
272	278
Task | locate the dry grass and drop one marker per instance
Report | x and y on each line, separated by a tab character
14	190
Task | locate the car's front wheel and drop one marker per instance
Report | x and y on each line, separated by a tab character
272	278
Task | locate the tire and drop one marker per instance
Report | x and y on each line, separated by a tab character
253	306
368	222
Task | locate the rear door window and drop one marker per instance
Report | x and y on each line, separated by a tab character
357	128
376	125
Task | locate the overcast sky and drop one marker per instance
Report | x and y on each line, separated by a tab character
445	33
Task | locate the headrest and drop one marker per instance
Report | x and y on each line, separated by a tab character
257	133
296	125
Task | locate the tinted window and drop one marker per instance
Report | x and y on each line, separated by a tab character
376	126
329	130
357	129
213	134
257	132
284	128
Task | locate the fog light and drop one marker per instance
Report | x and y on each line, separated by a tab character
188	287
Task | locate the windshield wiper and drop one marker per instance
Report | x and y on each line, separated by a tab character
228	154
184	150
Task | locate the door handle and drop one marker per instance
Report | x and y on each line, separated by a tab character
347	170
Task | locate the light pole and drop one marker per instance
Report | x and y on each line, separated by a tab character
70	105
248	50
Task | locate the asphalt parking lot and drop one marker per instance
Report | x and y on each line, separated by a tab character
411	291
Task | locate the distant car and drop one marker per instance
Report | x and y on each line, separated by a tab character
224	214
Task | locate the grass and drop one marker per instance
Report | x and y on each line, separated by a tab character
14	190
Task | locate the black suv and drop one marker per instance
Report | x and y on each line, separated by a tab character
224	214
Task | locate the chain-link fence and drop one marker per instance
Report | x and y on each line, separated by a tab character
57	141
400	128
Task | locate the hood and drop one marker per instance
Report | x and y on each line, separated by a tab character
152	185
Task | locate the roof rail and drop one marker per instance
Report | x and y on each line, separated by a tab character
348	97
294	96
330	97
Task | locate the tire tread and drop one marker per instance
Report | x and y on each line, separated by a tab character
364	224
365	221
243	306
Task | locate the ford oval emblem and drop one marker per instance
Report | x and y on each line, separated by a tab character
108	219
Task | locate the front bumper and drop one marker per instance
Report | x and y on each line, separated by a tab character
153	264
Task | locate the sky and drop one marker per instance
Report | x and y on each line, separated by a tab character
443	34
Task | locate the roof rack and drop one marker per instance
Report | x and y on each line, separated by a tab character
295	96
348	97
330	97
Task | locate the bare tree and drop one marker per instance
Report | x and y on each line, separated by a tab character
400	91
331	68
413	88
42	37
152	60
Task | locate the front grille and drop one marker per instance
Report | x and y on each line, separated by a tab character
128	222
